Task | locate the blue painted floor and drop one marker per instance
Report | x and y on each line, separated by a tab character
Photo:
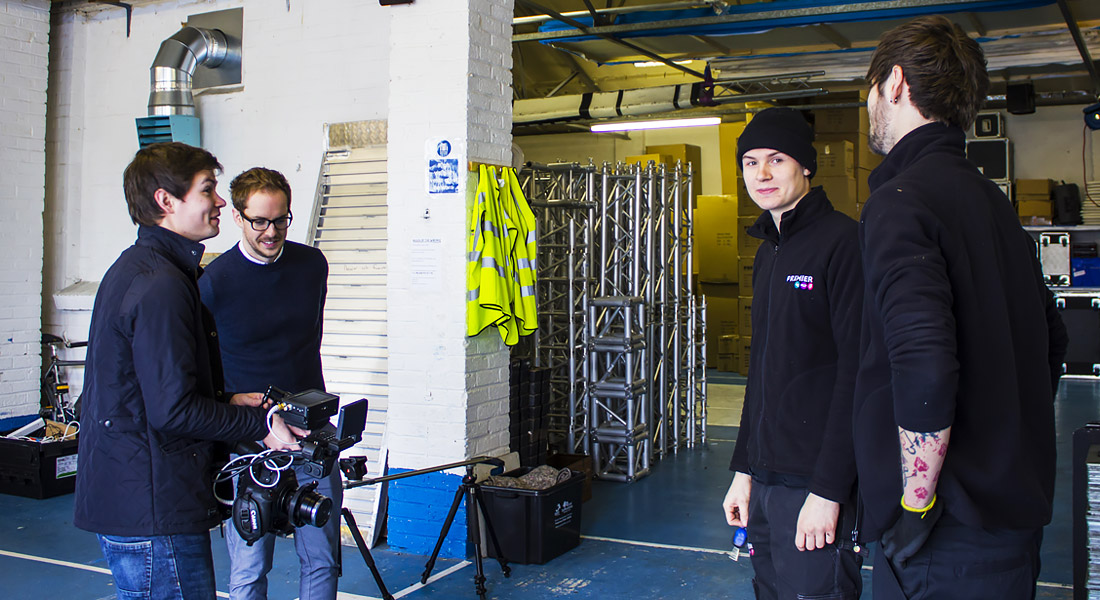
661	537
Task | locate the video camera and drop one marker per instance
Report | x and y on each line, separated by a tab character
268	497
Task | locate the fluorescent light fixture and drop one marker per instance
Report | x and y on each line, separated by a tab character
664	124
654	63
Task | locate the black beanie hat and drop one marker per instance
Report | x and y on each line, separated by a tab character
781	129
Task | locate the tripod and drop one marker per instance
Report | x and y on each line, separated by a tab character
474	503
469	488
365	552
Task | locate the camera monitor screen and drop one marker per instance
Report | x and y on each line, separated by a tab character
353	418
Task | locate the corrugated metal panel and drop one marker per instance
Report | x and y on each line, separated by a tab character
349	226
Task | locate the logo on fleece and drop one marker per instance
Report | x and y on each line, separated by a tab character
801	282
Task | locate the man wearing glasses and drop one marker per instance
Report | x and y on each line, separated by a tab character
268	297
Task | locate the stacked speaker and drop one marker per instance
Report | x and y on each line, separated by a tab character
990	150
528	414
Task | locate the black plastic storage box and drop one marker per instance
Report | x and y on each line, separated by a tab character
534	526
37	470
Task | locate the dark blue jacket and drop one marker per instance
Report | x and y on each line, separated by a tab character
958	331
151	407
796	426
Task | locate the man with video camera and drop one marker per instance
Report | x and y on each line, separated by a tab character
153	405
267	295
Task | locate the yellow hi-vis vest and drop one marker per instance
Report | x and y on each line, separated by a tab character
524	252
488	286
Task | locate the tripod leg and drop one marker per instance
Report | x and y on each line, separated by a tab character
442	535
367	558
475	532
476	494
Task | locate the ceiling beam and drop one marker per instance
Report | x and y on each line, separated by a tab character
1082	47
582	30
705	40
834	36
976	23
611	38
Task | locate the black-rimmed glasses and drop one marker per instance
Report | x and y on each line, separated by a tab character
263	224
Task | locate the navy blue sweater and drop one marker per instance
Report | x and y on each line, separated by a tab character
796	426
958	331
269	318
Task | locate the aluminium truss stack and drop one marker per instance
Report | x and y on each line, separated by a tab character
619	326
560	197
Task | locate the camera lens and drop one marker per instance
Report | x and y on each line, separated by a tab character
307	507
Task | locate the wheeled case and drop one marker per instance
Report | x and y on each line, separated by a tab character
1081	314
1054	254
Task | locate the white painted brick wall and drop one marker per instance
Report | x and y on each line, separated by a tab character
24	49
444	386
341	60
316	63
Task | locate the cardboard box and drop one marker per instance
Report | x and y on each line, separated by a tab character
721	316
644	159
727	154
841	192
1034	187
863	189
743	356
835	158
744	316
864	158
744	273
842	120
716	238
746	244
727	344
745	206
730	291
1032	197
686	154
1034	208
726	363
727	353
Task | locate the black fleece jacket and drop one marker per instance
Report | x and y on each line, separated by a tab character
796	424
958	331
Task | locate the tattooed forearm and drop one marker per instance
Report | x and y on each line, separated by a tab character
922	456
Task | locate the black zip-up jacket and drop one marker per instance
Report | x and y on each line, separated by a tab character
148	411
958	331
796	425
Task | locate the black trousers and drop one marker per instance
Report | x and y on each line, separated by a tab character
782	571
963	562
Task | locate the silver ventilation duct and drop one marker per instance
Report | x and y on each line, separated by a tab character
175	65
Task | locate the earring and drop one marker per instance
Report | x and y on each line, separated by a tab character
894	101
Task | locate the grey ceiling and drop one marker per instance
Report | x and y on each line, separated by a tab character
1031	43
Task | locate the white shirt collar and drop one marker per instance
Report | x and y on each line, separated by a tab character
240	247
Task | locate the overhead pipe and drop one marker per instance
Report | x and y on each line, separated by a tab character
175	64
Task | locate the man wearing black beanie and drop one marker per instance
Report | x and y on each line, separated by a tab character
794	454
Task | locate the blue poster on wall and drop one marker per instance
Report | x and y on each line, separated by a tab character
442	169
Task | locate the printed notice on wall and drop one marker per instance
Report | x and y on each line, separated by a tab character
442	166
424	264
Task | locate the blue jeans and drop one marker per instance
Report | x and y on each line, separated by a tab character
161	567
317	547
